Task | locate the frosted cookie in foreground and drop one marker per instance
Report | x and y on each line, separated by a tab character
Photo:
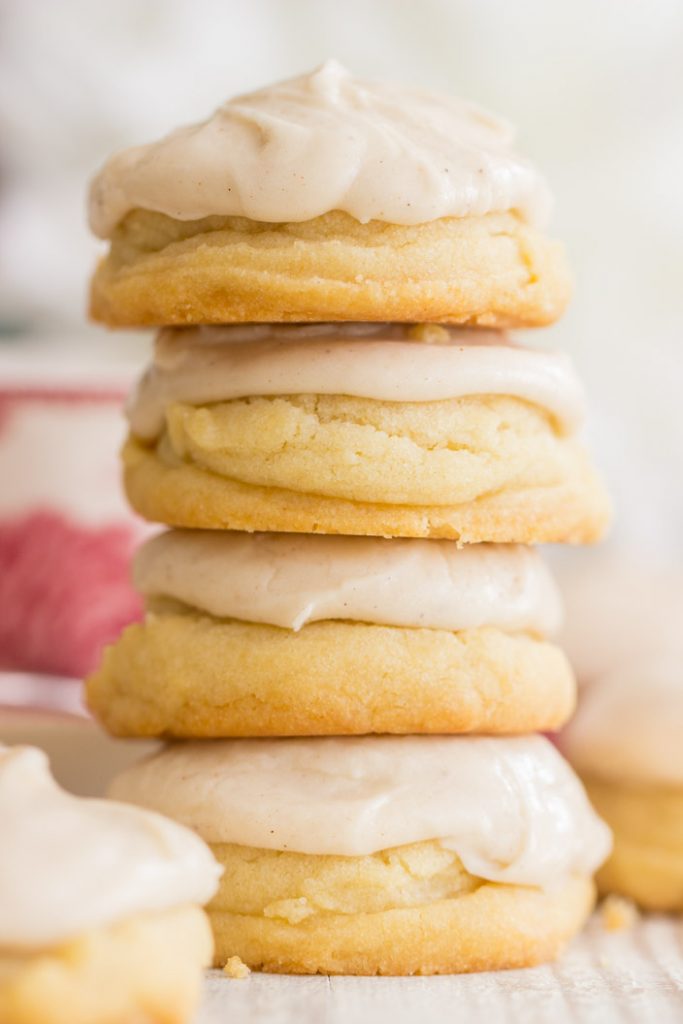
384	855
625	742
100	919
375	429
296	635
328	198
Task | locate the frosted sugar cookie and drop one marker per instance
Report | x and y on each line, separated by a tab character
625	742
100	918
328	198
294	634
388	430
384	855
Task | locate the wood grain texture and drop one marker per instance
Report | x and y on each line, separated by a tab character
605	978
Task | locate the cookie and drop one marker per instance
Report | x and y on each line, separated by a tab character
147	967
646	863
328	198
384	855
285	635
185	674
415	431
625	743
101	917
409	910
491	271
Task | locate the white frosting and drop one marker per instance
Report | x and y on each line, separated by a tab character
291	579
211	364
510	807
629	726
326	141
69	864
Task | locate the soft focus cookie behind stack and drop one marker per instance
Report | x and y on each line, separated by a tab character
626	744
332	263
625	741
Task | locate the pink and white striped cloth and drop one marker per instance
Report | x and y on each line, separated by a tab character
66	534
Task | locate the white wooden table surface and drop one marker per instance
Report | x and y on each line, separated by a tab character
633	976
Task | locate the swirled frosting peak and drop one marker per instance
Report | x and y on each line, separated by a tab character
326	141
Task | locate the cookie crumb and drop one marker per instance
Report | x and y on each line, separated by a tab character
431	334
618	913
235	967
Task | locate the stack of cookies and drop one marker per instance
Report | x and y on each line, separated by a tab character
346	636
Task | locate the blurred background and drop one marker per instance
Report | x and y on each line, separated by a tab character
596	90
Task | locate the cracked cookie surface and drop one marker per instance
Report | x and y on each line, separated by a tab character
474	469
408	910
